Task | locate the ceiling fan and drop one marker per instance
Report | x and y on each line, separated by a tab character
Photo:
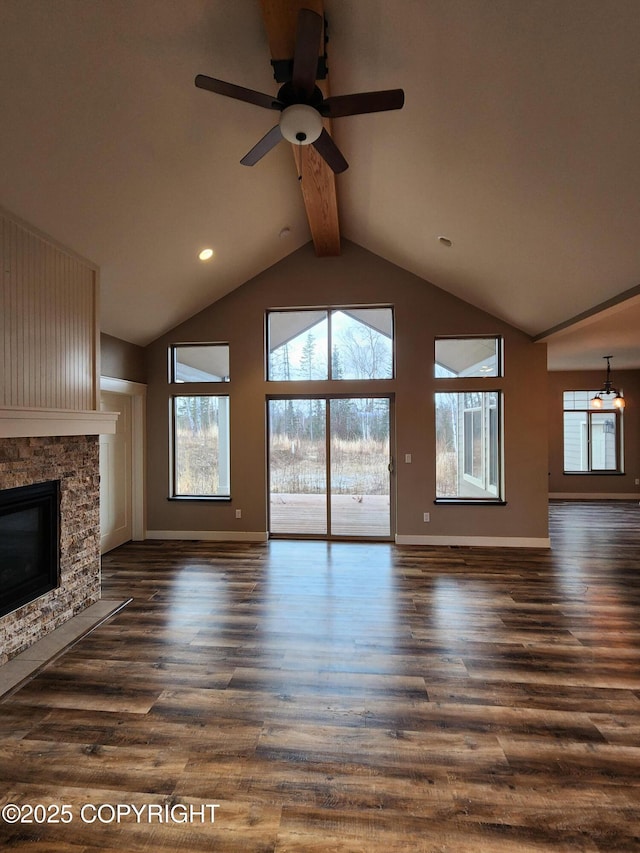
301	103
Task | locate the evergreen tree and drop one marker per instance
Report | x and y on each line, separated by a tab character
336	365
307	358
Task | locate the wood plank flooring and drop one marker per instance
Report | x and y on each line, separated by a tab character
345	697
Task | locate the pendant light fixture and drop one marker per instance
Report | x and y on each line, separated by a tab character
618	401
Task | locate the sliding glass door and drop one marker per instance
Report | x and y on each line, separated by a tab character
330	467
298	466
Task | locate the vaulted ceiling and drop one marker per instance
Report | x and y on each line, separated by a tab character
518	142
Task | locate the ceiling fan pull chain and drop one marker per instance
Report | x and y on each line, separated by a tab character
300	158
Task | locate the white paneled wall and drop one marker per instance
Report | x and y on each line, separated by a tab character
48	323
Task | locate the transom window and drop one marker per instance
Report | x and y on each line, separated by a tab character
199	363
592	438
344	343
467	357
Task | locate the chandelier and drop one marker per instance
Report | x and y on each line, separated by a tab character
607	389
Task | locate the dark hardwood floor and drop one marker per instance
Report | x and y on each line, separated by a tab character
345	697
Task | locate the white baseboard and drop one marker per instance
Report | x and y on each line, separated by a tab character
593	496
476	541
210	535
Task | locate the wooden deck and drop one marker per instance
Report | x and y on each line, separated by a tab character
346	697
351	515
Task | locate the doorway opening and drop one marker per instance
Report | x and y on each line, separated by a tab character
330	467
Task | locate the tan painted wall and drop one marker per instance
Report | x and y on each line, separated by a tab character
422	311
595	484
122	360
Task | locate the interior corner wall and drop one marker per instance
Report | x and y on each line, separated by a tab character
422	311
122	360
594	486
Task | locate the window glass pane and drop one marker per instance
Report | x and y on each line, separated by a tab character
493	446
591	440
478	456
467	357
200	363
298	344
298	466
201	446
362	343
603	441
576	441
359	466
468	445
582	400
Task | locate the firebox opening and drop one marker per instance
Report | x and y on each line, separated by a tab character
29	543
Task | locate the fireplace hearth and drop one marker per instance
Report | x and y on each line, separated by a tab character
29	543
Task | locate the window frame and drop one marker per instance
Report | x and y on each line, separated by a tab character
172	356
618	419
215	498
329	311
491	461
499	342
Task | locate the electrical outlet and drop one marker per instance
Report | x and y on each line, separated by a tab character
238	513
426	516
637	482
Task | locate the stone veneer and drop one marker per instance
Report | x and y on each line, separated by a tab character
74	460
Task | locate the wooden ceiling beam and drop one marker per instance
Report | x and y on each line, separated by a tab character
318	182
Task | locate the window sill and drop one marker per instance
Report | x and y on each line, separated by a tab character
469	502
593	473
201	498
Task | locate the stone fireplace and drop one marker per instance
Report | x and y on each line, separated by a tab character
73	462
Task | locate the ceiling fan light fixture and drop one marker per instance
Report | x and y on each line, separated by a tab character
300	124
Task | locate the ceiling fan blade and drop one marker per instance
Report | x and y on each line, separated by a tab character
305	57
329	151
238	92
268	141
363	102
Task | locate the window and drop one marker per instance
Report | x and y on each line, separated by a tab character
465	357
199	363
200	446
468	445
346	343
592	438
468	422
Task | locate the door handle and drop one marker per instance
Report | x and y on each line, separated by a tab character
390	465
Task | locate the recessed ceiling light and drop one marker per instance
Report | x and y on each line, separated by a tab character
206	254
445	241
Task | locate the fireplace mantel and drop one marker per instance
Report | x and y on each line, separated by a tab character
25	423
